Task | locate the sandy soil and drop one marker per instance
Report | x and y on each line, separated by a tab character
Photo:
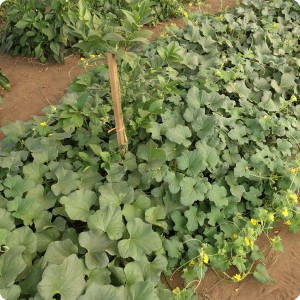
36	85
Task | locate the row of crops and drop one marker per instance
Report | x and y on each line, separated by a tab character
212	118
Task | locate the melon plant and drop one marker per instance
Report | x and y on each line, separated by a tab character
212	120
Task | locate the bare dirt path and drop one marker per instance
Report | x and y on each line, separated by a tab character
36	85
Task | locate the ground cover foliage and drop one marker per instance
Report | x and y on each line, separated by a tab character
4	82
47	30
212	118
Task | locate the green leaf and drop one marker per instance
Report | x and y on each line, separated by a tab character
29	284
107	292
35	171
114	194
154	156
67	181
98	245
133	273
130	161
191	161
152	269
22	24
214	216
3	234
142	240
173	247
16	186
66	279
241	169
179	220
16	129
89	178
253	196
276	243
20	207
12	293
179	135
174	179
287	80
193	98
112	36
204	126
155	216
99	277
240	263
6	220
23	236
108	220
142	290
195	218
207	43
237	191
261	274
58	251
55	47
137	209
210	155
84	13
217	194
115	173
192	190
78	204
11	266
117	274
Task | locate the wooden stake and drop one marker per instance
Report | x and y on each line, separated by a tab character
115	93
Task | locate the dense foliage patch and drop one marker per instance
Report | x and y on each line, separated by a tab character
48	29
212	119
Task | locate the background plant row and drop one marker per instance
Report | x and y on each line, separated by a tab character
47	30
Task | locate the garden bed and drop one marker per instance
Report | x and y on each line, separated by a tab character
35	85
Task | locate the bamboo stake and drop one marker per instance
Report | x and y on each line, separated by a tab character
115	92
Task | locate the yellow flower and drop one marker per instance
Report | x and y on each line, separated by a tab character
220	17
190	4
205	258
82	59
288	222
237	277
176	290
293	170
285	212
247	241
185	13
43	124
293	98
271	217
253	221
218	73
92	56
192	263
235	236
294	197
